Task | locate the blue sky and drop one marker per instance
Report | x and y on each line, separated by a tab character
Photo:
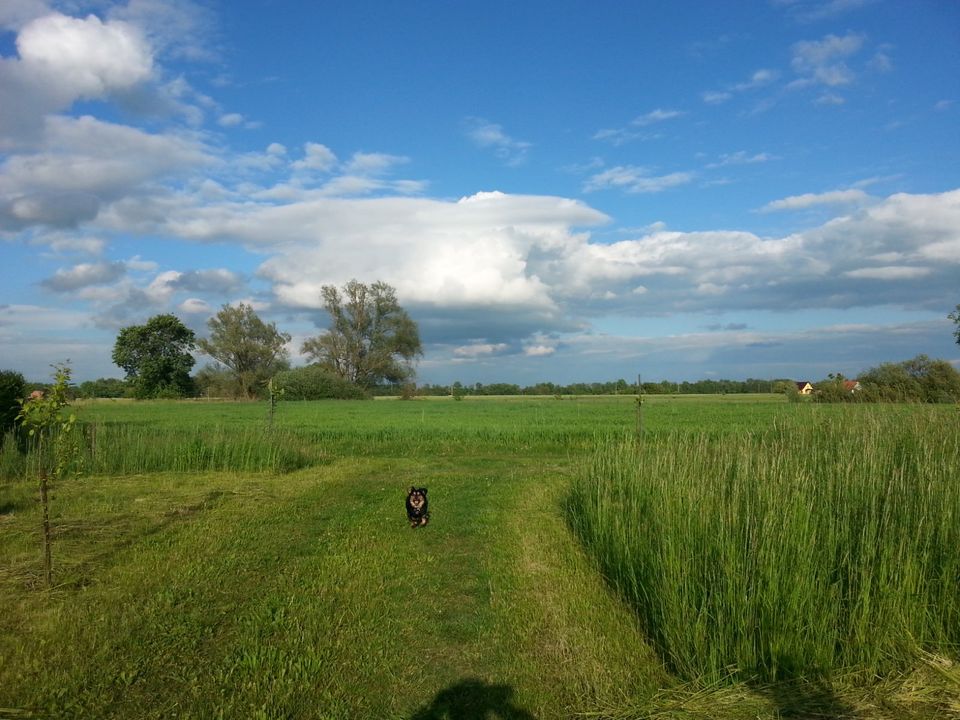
562	191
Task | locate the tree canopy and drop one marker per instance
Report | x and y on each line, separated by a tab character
157	356
371	338
955	316
250	348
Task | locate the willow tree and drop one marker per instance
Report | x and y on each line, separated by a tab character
371	338
253	351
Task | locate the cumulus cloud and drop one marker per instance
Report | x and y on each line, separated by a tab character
470	265
63	59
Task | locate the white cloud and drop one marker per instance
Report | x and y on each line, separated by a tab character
829	99
822	61
635	180
85	274
372	163
715	97
181	29
892	272
230	120
619	136
539	350
742	157
88	58
479	350
759	78
82	163
316	157
486	134
195	306
801	202
656	116
64	59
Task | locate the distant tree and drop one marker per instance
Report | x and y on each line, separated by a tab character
939	381
12	391
157	357
955	316
921	379
102	388
371	338
252	349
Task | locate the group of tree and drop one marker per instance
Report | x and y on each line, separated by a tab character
921	380
371	340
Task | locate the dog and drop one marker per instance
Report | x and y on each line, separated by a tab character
417	507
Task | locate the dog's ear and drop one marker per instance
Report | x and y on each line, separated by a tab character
412	490
423	490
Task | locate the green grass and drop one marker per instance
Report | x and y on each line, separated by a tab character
240	586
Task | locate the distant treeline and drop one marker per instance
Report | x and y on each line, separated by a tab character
921	379
615	387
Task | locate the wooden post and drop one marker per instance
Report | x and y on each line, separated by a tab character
639	408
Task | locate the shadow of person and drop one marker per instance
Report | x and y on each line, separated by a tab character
472	699
804	699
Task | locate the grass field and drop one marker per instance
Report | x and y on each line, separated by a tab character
206	565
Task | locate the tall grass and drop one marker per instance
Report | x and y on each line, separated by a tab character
810	547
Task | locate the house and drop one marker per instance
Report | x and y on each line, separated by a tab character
804	388
851	386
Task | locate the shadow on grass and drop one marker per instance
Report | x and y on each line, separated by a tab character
472	699
807	699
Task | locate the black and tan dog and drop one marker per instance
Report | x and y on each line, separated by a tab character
417	506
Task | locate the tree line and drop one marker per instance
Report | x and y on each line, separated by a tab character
370	349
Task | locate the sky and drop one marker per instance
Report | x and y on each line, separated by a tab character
559	191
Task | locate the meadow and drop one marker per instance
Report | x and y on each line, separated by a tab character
742	558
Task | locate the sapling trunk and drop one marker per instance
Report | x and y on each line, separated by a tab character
45	506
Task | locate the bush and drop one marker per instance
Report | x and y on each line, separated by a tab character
12	388
314	382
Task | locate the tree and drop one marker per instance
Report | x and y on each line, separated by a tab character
955	316
54	444
371	338
12	390
156	357
252	349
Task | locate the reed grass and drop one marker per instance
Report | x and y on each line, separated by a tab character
814	546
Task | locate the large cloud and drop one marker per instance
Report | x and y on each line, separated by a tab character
61	60
495	268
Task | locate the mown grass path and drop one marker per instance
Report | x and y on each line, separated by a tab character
308	595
